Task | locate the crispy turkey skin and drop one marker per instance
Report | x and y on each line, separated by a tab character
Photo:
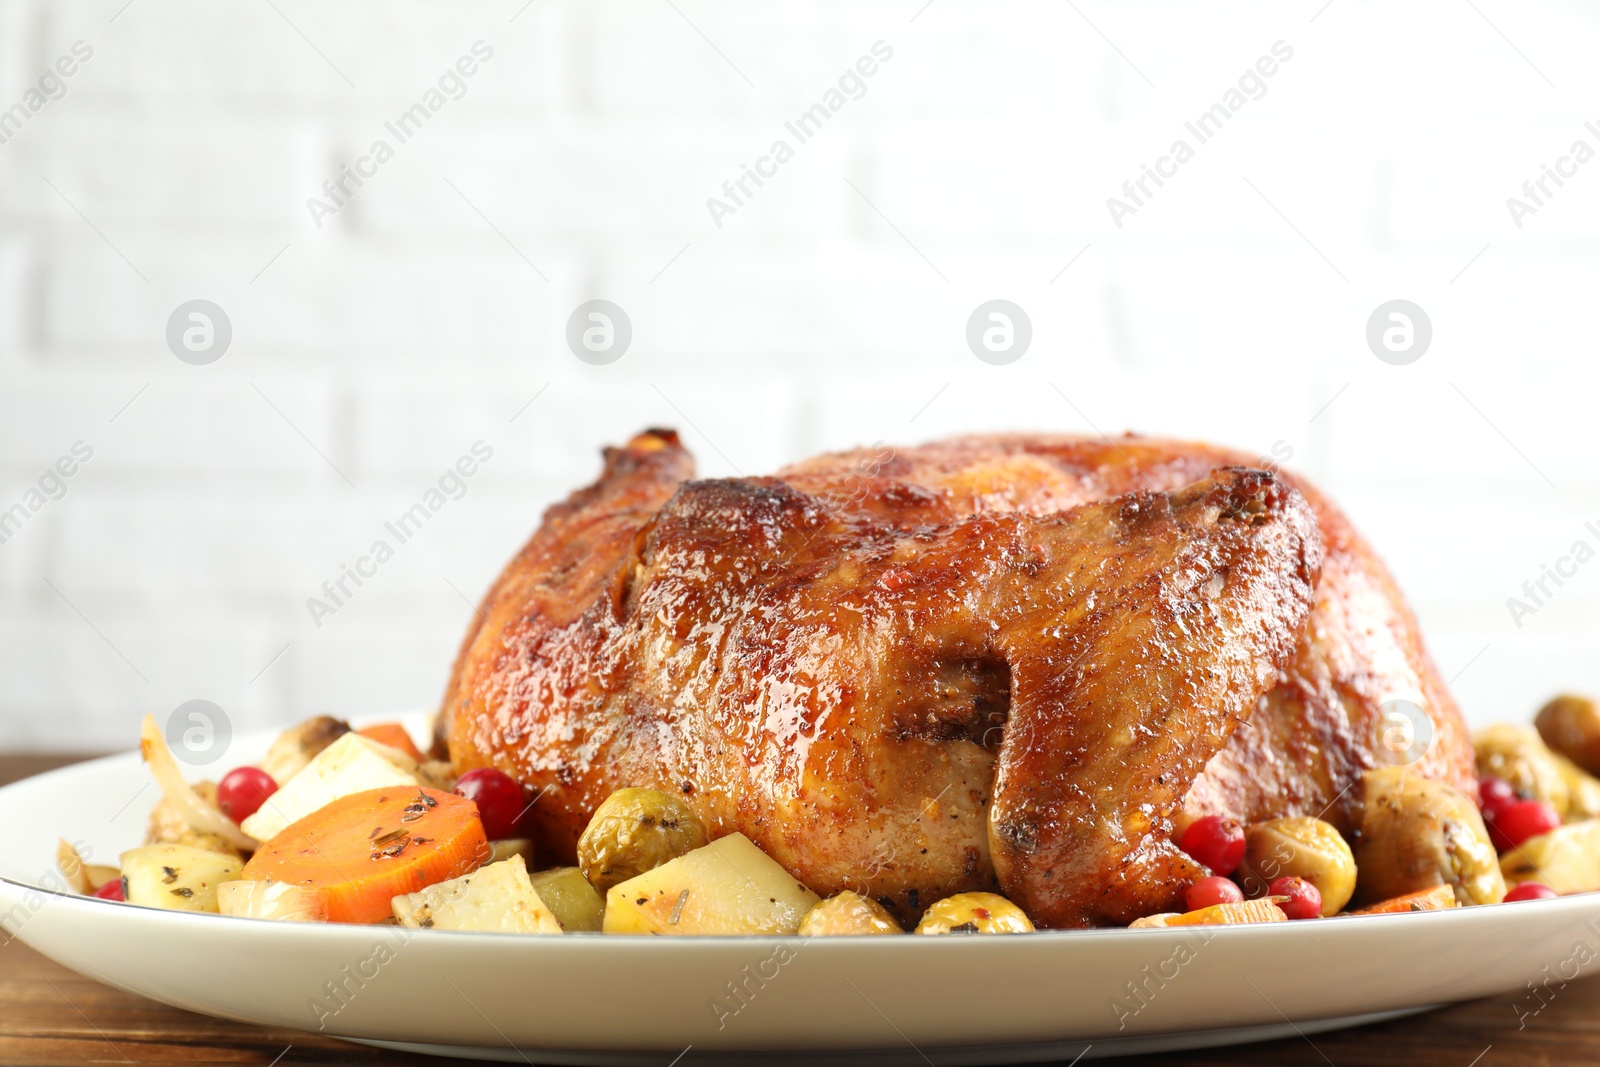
886	689
1323	724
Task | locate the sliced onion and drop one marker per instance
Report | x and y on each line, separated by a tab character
84	877
99	874
72	866
271	900
437	774
200	816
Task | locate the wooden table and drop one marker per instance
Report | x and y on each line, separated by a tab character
49	1015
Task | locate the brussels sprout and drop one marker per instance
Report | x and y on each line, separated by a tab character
1304	847
848	913
1417	833
1518	754
636	830
974	913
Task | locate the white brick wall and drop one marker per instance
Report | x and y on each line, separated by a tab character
178	563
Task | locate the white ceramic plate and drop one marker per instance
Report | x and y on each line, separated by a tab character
589	999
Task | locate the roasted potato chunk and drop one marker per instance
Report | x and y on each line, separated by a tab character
1417	833
634	831
727	887
176	877
350	765
498	898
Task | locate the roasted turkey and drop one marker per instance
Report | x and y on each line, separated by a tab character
1011	663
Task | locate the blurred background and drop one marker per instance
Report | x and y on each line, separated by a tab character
355	343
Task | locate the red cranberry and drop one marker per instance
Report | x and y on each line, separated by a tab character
1519	821
243	790
1495	795
1212	890
1305	900
1530	891
499	799
1215	841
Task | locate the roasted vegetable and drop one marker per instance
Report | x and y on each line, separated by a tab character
1518	755
271	900
175	877
352	764
299	745
633	831
1570	725
363	850
1567	859
1260	910
437	774
497	898
167	822
1439	898
168	825
84	877
974	913
511	846
848	913
1305	848
1417	833
577	905
186	806
395	736
1583	789
727	887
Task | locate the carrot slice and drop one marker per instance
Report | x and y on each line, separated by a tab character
1437	898
363	850
395	736
1263	910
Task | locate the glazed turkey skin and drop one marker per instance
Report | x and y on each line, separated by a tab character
1323	724
886	682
